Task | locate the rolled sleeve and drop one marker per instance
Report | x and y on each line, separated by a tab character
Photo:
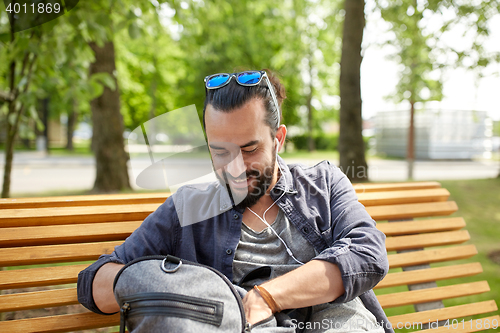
358	247
86	278
156	235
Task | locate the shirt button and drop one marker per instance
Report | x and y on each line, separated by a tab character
305	230
229	252
236	216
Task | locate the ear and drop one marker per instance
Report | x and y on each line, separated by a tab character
280	136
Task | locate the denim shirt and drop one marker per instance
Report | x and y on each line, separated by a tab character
320	201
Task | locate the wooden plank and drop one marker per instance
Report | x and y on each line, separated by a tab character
74	215
398	243
84	200
475	325
64	234
383	187
62	323
452	312
31	255
421	226
429	275
38	299
432	294
431	255
43	276
407	211
403	197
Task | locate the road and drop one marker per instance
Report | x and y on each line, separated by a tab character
35	172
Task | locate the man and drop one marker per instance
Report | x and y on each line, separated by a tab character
306	223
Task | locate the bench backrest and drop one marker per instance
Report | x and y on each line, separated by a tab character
45	242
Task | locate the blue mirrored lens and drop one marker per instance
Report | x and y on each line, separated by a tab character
217	81
249	77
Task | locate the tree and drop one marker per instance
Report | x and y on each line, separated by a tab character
318	34
21	53
414	53
297	39
100	21
33	64
420	50
351	145
107	124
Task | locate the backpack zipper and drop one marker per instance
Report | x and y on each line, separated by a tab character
244	324
172	305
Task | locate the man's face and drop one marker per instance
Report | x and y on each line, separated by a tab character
243	151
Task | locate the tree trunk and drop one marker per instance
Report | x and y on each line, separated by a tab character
310	138
107	122
11	131
9	156
410	156
15	111
45	114
351	144
72	115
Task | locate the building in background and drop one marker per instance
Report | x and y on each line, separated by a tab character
439	134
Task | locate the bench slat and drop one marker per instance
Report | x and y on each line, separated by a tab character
431	255
74	215
37	277
398	243
403	197
429	274
48	254
452	312
406	211
64	234
84	200
432	294
475	326
38	299
62	323
81	233
383	187
421	226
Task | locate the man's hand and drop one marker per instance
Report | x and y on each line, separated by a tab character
256	309
102	288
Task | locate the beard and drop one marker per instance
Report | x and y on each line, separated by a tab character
262	179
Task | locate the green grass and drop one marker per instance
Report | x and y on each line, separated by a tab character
79	149
478	202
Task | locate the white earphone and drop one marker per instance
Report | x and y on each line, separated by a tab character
263	218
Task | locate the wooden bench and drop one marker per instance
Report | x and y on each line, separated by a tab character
45	242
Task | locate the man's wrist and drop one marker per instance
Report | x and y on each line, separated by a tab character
268	299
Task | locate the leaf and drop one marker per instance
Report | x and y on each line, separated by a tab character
23	82
104	79
134	31
121	25
5	38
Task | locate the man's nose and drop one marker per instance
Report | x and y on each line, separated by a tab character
236	167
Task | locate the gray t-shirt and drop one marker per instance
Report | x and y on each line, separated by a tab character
257	249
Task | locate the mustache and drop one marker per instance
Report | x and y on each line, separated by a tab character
242	175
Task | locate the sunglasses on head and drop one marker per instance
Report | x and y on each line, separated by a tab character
247	79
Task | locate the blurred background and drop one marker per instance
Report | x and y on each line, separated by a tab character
417	99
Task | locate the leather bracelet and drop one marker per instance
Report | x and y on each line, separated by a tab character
268	298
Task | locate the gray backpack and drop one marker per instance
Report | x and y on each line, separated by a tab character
167	294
